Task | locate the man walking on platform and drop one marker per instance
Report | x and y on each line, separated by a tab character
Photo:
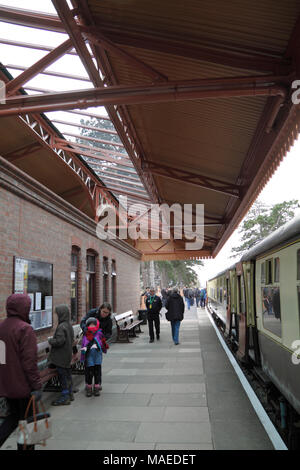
153	305
197	296
175	311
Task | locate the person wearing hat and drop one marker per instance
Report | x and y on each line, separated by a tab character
19	378
61	354
93	345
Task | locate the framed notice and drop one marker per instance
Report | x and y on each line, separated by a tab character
35	278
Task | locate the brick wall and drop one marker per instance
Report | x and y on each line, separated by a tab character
29	229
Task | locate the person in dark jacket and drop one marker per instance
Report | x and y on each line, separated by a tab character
61	354
19	376
198	296
174	314
153	305
103	314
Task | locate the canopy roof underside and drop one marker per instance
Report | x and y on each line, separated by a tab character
199	98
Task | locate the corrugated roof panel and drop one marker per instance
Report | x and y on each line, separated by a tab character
252	24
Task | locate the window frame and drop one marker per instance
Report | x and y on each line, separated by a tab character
75	269
91	296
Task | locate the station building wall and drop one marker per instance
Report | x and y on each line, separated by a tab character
38	225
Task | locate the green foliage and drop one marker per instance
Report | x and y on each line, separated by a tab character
261	221
178	272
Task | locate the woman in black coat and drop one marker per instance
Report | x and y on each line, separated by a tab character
174	314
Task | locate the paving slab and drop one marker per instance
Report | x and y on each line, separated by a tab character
158	396
175	432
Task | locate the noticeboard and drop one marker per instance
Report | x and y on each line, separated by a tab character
35	278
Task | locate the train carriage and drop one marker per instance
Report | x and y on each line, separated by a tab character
262	319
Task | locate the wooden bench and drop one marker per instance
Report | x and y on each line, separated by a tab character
126	325
49	376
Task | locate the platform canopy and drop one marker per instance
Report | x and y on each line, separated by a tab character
200	95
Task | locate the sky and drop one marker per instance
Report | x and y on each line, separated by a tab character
283	186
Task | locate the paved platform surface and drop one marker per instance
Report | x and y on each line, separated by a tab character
161	396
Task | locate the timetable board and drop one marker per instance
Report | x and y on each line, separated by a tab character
35	278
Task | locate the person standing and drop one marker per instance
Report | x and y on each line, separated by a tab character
202	297
19	377
205	297
61	354
93	345
190	297
185	293
198	296
153	305
175	312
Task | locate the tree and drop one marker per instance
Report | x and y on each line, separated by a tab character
261	221
174	273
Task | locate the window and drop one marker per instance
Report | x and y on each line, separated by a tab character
113	286
90	281
269	271
35	278
276	269
105	279
263	273
241	288
270	296
271	309
74	283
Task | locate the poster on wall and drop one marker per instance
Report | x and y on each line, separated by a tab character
38	301
35	278
32	301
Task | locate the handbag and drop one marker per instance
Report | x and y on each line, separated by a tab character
34	429
4	407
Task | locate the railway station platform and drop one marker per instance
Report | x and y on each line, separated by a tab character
160	396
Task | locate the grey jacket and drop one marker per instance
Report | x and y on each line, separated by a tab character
62	341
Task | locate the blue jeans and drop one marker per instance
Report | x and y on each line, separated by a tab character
175	325
65	378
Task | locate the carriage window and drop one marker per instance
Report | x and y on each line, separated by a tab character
263	273
241	287
276	269
271	309
269	274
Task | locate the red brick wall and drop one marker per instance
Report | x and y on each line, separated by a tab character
30	231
